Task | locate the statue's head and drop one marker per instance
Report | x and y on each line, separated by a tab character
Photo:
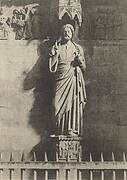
67	32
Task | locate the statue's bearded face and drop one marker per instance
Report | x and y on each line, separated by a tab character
67	34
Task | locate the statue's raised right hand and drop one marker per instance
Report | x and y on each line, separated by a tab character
55	49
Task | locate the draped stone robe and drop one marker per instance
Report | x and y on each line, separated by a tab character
69	96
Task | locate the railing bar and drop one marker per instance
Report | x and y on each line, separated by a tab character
114	172
102	175
22	174
11	170
1	174
11	174
91	172
67	174
35	170
125	175
46	174
1	170
65	165
79	175
114	175
102	172
91	175
125	172
35	174
22	170
57	174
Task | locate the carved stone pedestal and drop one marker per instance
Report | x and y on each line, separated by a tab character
68	148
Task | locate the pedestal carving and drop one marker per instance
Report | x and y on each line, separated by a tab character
68	148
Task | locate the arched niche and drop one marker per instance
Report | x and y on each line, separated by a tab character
66	19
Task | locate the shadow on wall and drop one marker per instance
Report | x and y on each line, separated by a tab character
40	79
40	118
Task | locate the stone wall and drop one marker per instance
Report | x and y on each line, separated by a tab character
16	60
105	20
105	122
24	110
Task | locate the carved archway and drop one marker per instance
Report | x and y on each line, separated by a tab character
65	12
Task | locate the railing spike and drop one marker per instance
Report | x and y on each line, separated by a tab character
79	157
0	156
91	159
57	157
113	156
125	172
102	172
114	172
11	157
124	157
34	156
22	157
91	172
46	159
102	157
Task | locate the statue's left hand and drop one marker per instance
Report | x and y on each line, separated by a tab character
78	59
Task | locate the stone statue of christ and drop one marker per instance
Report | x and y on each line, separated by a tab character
67	63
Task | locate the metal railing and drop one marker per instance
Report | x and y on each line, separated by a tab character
65	170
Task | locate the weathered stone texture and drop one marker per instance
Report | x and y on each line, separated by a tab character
107	98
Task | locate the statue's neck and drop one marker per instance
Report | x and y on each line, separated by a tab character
65	41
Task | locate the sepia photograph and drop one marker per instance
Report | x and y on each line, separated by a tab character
63	89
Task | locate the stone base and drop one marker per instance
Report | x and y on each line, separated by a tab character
68	148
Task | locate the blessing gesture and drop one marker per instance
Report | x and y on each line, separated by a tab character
55	49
